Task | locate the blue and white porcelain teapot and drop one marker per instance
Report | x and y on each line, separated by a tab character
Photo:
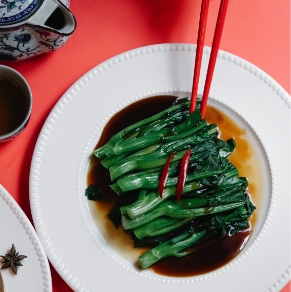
31	27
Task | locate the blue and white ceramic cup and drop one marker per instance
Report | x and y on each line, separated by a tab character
12	76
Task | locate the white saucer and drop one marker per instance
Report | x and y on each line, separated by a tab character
15	228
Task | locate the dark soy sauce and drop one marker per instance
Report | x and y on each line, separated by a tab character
211	253
13	106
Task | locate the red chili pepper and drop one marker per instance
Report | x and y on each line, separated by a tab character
183	173
164	175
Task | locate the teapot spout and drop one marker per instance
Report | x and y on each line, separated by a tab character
54	16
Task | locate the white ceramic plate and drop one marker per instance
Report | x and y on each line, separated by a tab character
15	228
74	242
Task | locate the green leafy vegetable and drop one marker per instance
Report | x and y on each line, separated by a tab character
214	198
92	192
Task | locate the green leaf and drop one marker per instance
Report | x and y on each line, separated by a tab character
92	192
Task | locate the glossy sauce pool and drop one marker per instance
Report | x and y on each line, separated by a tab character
214	253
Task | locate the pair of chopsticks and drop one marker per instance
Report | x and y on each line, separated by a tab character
213	55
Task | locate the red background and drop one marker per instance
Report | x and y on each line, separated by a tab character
256	30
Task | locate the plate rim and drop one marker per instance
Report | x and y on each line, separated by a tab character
104	65
33	237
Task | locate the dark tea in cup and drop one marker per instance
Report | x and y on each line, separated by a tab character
15	103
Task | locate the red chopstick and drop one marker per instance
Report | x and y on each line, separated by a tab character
199	52
213	55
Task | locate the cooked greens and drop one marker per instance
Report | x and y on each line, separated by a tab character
92	192
214	197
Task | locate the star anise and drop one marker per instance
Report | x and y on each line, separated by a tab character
12	259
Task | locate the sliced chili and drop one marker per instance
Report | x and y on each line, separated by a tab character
183	173
165	174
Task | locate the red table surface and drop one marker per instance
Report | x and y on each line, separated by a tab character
256	30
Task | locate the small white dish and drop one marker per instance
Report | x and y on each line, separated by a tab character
15	228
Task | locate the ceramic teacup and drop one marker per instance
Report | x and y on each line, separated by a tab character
15	103
31	27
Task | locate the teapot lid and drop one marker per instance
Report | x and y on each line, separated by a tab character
13	11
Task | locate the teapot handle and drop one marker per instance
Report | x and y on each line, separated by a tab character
55	16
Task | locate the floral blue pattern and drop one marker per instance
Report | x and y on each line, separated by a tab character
13	11
27	31
23	44
11	4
